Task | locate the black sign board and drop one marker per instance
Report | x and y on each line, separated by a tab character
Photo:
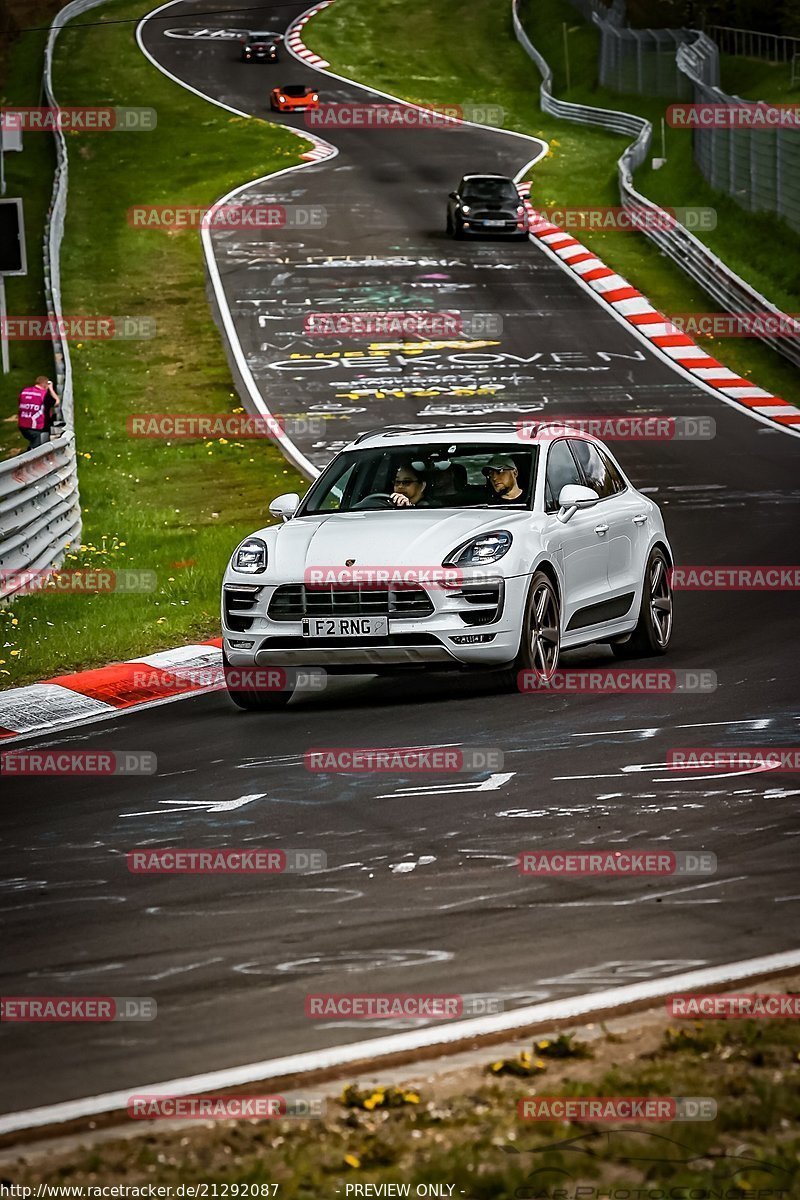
12	238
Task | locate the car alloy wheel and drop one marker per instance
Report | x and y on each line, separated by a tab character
540	643
660	600
653	631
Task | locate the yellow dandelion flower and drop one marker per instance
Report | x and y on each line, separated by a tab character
352	1160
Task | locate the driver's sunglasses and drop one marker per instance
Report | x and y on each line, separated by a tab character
498	470
403	482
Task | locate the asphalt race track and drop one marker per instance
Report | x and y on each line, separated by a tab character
421	891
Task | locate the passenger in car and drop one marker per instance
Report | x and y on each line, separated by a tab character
501	473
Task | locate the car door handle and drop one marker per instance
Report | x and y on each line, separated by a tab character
640	518
601	529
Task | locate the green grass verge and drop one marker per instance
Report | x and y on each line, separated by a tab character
177	509
474	1141
368	40
755	79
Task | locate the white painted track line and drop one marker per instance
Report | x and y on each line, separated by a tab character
374	1050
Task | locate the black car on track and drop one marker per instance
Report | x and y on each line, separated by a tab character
488	204
260	47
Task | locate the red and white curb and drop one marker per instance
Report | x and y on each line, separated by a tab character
639	314
320	152
124	686
295	42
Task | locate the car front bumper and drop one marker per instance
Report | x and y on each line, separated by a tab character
508	228
458	633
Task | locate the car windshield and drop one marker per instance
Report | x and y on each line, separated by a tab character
437	475
262	37
489	189
296	89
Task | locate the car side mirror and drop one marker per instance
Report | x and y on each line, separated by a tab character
525	193
285	506
453	195
572	497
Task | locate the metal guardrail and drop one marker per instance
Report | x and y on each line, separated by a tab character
729	290
751	43
40	511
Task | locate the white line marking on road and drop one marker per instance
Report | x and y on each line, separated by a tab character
492	784
207	806
753	722
373	1049
207	962
606	732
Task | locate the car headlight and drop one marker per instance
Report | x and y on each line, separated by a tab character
282	99
465	208
485	548
251	557
315	96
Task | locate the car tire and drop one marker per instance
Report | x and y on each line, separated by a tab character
540	640
449	229
252	699
458	230
653	630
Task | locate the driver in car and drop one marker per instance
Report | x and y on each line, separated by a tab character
501	472
409	486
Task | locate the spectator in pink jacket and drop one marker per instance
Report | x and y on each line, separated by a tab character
39	408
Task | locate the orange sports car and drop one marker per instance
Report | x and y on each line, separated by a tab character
296	97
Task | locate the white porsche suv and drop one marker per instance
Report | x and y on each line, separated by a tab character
457	547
